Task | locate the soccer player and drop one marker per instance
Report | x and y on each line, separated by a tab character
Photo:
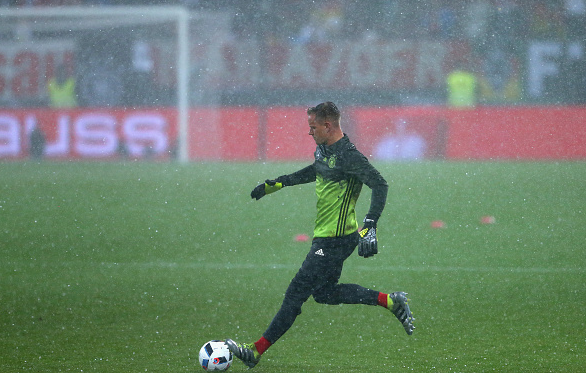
339	171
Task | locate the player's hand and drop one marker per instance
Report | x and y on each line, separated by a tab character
268	187
367	244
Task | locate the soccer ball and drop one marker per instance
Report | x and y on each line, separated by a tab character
215	355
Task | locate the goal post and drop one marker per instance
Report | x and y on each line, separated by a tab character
29	24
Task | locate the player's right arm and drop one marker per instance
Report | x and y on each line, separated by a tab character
303	176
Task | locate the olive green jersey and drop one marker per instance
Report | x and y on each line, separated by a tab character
339	171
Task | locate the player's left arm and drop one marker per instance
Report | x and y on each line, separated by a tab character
360	167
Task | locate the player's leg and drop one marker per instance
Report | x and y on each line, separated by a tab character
331	292
297	293
398	304
299	290
336	251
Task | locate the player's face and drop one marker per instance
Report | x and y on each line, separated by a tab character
318	129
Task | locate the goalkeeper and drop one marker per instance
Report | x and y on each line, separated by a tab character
339	171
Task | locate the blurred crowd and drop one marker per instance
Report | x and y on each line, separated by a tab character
507	21
496	32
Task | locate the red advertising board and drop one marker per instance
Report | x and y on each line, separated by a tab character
280	134
224	134
410	133
92	134
287	134
517	133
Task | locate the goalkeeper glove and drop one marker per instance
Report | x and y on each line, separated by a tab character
367	244
268	187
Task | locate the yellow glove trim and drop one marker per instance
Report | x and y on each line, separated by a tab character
363	232
273	188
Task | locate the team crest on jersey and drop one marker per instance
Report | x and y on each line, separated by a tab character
332	161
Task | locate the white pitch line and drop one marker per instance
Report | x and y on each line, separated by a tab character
220	266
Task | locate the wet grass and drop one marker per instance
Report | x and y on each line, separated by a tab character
131	267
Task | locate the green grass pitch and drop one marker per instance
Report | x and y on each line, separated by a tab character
112	267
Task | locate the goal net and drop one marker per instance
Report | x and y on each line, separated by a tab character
123	59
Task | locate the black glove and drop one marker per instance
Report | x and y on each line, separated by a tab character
367	244
268	187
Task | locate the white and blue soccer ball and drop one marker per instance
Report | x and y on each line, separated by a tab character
215	355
